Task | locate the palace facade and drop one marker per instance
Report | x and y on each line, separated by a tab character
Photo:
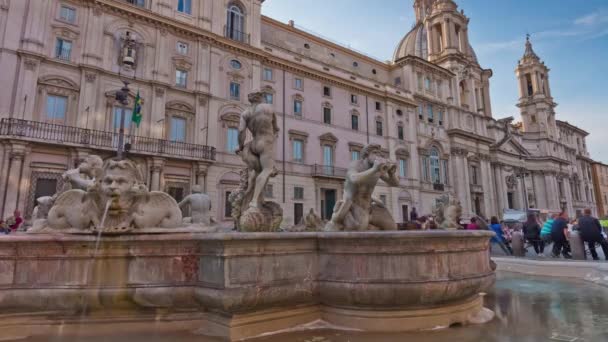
193	64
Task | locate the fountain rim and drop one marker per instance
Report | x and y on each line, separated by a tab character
241	236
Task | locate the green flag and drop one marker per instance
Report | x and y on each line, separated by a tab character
137	110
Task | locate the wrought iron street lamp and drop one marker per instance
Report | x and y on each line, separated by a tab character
122	97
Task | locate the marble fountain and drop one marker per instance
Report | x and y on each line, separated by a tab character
108	250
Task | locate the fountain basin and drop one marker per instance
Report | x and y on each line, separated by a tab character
243	285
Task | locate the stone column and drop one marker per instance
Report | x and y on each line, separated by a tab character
156	168
13	182
201	175
447	33
500	189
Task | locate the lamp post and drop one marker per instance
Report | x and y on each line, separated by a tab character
122	97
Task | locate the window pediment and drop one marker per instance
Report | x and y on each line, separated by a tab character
295	134
231	119
179	106
352	146
402	152
65	32
328	138
183	63
60	82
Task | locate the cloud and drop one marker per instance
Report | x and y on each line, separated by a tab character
592	19
590	26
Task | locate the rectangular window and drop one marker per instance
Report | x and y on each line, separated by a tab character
400	133
235	91
178	129
298	151
429	108
298	84
379	128
184	6
267	74
427	84
44	187
397	81
425	169
182	48
402	168
355	155
227	205
326	91
177	193
140	3
327	115
268	98
328	155
446	175
378	106
383	199
298	193
420	112
354	122
181	78
419	81
298	213
67	14
63	49
268	191
440	117
474	175
232	140
56	108
354	99
118	117
297	108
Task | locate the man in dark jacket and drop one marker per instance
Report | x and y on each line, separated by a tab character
591	233
559	233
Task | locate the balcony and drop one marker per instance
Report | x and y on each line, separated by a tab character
237	35
438	187
328	171
74	136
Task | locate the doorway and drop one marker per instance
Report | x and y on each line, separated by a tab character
328	201
405	213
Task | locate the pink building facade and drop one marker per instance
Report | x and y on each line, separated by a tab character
193	64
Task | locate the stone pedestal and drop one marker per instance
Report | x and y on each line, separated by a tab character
577	246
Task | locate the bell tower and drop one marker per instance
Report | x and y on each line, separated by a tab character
535	101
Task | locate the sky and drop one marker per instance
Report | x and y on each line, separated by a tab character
571	36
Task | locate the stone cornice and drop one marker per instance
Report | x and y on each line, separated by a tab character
179	28
469	135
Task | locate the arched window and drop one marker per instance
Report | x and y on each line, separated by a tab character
435	167
235	23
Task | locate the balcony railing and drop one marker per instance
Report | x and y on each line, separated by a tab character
328	171
438	187
61	134
237	35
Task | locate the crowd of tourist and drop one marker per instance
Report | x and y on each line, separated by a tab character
12	223
556	230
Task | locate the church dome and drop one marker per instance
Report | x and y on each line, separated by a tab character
415	43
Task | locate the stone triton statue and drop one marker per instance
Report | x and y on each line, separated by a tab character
200	206
358	210
250	211
116	202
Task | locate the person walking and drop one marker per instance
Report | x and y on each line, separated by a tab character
499	238
545	232
559	235
591	232
413	215
531	230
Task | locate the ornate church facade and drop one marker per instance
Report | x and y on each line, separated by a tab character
193	63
